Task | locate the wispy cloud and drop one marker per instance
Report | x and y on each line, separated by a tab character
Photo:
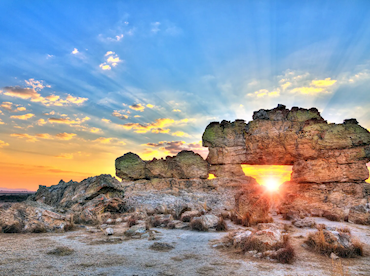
68	121
119	114
33	94
137	107
155	27
3	144
45	136
75	51
9	106
23	117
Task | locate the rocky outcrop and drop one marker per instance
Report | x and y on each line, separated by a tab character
319	152
185	165
31	217
65	195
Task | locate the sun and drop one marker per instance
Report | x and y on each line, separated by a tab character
272	184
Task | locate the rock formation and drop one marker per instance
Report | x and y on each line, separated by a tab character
329	160
185	165
328	178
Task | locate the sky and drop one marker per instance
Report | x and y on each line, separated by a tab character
83	82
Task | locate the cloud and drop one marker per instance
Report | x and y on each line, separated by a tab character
176	110
65	156
9	107
33	95
104	140
45	136
29	138
323	83
265	93
3	144
95	130
155	27
41	122
119	115
173	147
286	85
155	127
23	117
65	136
112	59
1	122
137	116
180	134
68	121
158	126
106	120
75	51
309	90
37	85
105	66
137	107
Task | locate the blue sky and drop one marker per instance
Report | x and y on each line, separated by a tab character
83	82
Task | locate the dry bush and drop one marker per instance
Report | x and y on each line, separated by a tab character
285	255
156	221
186	218
12	228
247	220
171	225
236	218
39	228
221	225
323	243
131	221
344	230
161	246
330	216
61	251
198	225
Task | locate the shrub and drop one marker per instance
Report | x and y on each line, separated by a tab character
13	228
236	218
331	216
61	251
171	225
251	244
156	221
132	221
323	242
198	225
285	255
221	225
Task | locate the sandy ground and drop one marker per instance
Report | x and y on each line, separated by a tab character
194	253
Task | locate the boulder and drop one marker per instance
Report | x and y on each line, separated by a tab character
130	166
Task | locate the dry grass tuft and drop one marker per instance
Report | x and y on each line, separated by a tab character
285	255
324	243
61	251
161	246
198	225
156	221
171	225
132	221
221	225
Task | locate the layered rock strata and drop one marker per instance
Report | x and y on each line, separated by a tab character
319	152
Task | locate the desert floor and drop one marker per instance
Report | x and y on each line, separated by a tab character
194	253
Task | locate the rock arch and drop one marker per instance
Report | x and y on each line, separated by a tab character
320	152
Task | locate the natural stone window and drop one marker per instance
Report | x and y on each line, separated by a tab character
264	174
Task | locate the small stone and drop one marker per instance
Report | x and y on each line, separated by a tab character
109	231
333	256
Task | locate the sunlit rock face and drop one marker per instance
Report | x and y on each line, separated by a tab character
319	152
185	165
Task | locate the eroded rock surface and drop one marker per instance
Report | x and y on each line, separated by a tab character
185	165
319	152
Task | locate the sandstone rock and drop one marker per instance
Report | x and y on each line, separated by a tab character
130	166
188	215
209	220
185	165
319	152
306	222
65	195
